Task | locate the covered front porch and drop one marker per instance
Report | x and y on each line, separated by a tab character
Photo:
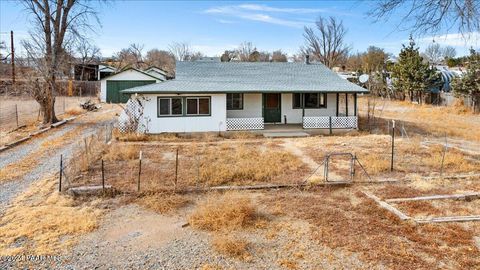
313	110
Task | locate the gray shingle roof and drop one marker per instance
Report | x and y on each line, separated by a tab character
222	77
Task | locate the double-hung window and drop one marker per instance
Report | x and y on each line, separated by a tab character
170	106
234	101
310	100
198	105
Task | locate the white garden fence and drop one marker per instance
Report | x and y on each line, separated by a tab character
346	122
245	123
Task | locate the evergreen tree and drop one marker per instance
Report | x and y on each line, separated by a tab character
469	83
411	75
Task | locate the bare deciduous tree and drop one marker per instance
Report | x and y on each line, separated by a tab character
328	46
180	50
433	53
279	56
430	16
244	51
87	53
449	52
162	59
57	24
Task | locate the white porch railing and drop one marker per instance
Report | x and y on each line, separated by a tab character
245	123
347	122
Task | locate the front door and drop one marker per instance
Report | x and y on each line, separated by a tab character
271	108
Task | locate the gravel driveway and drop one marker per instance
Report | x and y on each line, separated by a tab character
48	165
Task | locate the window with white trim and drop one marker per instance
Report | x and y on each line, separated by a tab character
310	100
170	106
198	105
234	101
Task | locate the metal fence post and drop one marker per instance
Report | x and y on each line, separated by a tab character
393	144
176	170
139	170
61	173
103	177
16	114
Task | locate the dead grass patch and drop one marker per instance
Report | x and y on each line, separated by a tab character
18	169
378	236
41	221
232	246
163	203
118	152
73	111
244	164
228	211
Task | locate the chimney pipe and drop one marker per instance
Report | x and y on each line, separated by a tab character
307	61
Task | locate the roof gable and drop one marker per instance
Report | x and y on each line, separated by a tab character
136	70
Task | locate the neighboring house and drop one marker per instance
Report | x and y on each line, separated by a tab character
156	71
111	86
221	96
92	72
105	71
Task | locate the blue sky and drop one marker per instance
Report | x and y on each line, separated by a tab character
211	27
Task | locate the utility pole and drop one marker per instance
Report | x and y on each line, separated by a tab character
13	57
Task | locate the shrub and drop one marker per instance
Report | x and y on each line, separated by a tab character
228	211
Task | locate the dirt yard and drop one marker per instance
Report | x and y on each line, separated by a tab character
170	209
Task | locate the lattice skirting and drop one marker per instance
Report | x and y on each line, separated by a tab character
324	122
344	122
316	122
245	123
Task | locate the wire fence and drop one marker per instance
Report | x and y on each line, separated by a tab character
20	112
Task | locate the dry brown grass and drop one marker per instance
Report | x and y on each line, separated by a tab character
454	161
18	169
228	211
375	163
64	139
378	236
163	203
117	152
73	111
232	246
456	121
40	221
246	164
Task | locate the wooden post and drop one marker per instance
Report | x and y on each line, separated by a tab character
355	104
346	104
176	169
16	114
393	144
338	103
86	151
330	124
61	173
103	177
139	170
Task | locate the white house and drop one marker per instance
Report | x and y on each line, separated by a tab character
222	96
111	86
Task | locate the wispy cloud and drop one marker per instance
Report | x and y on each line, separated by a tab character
264	13
454	39
283	10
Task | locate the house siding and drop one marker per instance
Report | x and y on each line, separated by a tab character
252	107
216	121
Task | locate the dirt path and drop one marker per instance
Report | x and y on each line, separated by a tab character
291	147
48	159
